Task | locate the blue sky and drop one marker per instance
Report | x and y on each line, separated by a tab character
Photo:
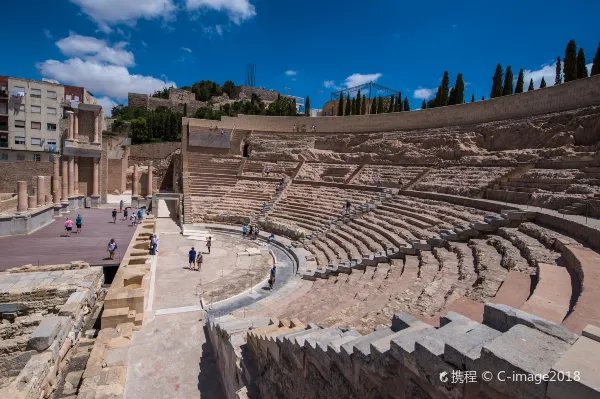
116	46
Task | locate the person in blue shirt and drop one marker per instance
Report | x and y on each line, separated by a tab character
192	259
140	214
272	279
271	237
244	230
78	223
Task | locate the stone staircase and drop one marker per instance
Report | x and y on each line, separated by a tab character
417	179
497	183
259	218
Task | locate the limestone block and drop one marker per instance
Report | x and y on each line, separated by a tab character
463	349
46	331
592	332
11	366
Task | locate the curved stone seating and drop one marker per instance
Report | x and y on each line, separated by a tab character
460	180
552	295
390	175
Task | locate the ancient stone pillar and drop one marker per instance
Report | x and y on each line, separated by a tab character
56	181
96	179
149	179
71	177
21	196
32	203
75	127
41	191
76	175
134	182
34	190
70	124
65	180
96	122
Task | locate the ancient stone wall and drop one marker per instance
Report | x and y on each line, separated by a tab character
86	126
162	156
576	94
135	100
154	150
22	171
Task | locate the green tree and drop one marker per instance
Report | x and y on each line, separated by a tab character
530	85
473	97
348	106
596	62
229	88
423	104
358	103
406	105
543	83
452	97
520	82
459	88
373	105
582	71
380	106
307	106
482	98
139	131
363	105
353	111
497	82
392	104
558	78
341	105
570	67
441	97
507	89
399	103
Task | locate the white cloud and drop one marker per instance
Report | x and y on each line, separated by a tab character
330	84
189	50
357	79
111	12
219	30
291	73
144	43
424	94
47	33
94	49
112	80
107	104
547	71
237	10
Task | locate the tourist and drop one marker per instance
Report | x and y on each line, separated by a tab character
348	206
271	237
294	128
114	215
111	248
132	219
121	203
281	182
199	261
264	206
192	258
251	232
267	171
153	244
313	128
256	231
209	243
140	215
69	227
223	132
78	223
272	278
244	230
125	213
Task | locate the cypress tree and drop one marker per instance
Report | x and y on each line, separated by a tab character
441	97
452	97
530	85
184	109
473	97
460	89
348	105
307	106
341	105
363	105
358	104
596	62
380	105
558	78
520	82
423	104
352	106
399	103
497	82
482	98
582	71
392	104
373	105
406	105
543	83
507	90
570	68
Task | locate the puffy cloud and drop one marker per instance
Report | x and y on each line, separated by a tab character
107	104
91	48
237	10
112	80
189	50
110	12
291	73
330	84
424	94
357	79
546	71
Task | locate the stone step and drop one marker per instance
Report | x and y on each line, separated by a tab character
552	295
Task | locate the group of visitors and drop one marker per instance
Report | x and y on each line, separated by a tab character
69	225
197	258
280	186
250	232
302	128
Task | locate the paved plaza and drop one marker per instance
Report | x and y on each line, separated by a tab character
47	247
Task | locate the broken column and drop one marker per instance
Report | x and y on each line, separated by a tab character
21	196
41	191
95	197
70	124
149	190
75	126
32	201
134	185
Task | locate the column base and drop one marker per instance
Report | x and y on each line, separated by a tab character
95	201
64	207
81	201
135	201
73	203
57	209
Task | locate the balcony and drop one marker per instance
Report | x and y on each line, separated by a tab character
80	149
3	93
3	144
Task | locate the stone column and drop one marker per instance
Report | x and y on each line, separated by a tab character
21	196
41	191
65	180
76	176
96	122
32	202
149	179
71	177
76	126
96	179
134	181
56	182
70	124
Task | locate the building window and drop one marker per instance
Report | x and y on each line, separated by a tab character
37	157
22	107
51	127
3	140
52	95
4	125
36	125
36	141
37	93
36	109
20	157
3	156
51	146
3	108
19	140
19	123
51	111
18	91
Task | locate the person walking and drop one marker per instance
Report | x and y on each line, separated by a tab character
199	261
114	216
153	244
125	213
69	226
132	219
209	243
192	258
256	231
348	207
121	203
272	278
79	223
111	248
140	215
244	231
264	206
251	232
271	237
